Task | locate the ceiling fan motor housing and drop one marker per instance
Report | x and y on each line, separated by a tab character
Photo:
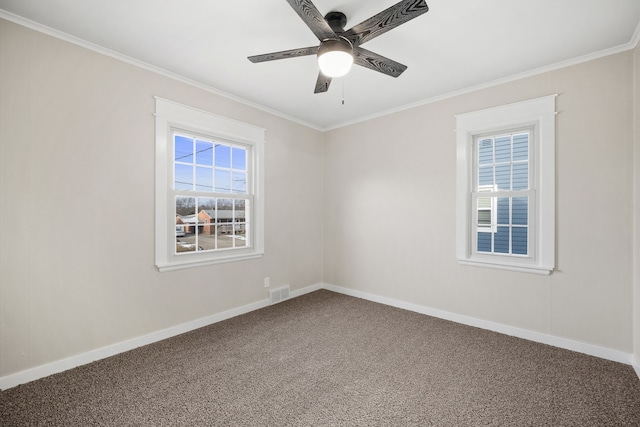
337	21
334	45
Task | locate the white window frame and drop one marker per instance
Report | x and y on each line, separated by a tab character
539	115
171	116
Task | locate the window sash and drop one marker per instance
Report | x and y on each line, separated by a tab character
206	230
494	226
195	169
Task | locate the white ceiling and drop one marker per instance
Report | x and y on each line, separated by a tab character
456	46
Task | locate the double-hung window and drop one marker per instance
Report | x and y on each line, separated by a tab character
209	188
502	194
506	187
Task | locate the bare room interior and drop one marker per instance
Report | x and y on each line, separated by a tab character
203	225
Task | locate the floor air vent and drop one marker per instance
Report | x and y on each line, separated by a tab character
277	295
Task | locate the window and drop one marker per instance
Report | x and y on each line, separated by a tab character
211	194
209	188
506	187
501	194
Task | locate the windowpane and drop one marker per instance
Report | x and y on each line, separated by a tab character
501	241
183	177
223	181
225	223
503	149
223	156
485	176
484	213
503	177
484	217
185	206
520	176
484	203
207	224
183	149
239	156
208	205
240	232
503	210
223	237
185	224
239	238
240	205
239	182
521	147
520	211
519	240
224	205
484	242
183	246
204	179
485	151
204	153
180	229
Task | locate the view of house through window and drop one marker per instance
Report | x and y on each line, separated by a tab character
502	193
211	197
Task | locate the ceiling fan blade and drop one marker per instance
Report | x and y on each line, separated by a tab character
284	54
322	84
373	61
313	18
386	20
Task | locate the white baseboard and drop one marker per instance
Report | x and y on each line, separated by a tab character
42	371
636	365
299	292
590	349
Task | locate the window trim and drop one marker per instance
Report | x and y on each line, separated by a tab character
170	116
538	114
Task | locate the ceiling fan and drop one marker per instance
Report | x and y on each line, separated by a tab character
340	48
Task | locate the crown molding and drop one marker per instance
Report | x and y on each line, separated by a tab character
16	19
631	44
514	77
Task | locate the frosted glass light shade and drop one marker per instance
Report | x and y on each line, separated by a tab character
335	58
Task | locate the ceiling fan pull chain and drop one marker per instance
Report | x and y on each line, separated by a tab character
343	90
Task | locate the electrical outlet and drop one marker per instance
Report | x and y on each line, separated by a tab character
267	282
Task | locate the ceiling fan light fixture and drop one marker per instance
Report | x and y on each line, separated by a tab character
335	57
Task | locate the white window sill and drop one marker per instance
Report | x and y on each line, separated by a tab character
189	263
522	268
